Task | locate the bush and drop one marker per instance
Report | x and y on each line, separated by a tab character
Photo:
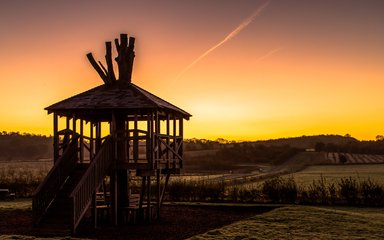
318	192
280	190
20	182
372	193
349	190
196	191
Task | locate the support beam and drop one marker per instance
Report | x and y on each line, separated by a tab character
180	152
55	138
135	140
168	134
165	186
149	209
94	210
158	193
81	141
91	141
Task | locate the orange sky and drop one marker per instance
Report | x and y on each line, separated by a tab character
299	67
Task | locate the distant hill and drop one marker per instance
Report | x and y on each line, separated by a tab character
306	142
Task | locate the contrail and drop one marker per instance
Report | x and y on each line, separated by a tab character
273	51
232	34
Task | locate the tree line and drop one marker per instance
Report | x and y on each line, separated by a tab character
24	146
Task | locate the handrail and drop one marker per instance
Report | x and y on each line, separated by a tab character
82	194
169	146
47	190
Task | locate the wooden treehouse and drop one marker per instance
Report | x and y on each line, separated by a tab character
104	138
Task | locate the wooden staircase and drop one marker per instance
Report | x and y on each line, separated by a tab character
58	218
61	200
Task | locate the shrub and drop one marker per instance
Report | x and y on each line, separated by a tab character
372	193
318	192
281	190
271	188
349	190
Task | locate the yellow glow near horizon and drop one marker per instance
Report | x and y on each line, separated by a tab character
289	72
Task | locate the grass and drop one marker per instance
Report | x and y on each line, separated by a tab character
22	237
20	204
304	222
333	173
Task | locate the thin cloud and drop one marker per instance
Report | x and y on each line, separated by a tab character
273	51
232	34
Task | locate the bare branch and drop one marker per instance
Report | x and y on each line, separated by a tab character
97	68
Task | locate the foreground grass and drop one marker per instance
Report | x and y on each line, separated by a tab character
304	222
22	237
20	204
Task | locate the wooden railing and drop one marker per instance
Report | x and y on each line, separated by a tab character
170	150
83	192
46	192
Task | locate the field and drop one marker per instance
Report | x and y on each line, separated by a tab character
333	173
34	167
304	222
354	158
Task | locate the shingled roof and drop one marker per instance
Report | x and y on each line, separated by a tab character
124	97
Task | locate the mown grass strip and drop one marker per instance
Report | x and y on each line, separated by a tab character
304	222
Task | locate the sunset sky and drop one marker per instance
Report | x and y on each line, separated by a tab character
245	69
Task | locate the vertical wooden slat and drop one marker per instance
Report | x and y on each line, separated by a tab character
158	191
91	145
142	192
67	123
168	134
181	129
74	123
55	138
135	140
157	140
98	136
148	154
149	215
128	139
94	212
174	136
81	141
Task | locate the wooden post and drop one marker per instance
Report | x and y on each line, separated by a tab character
94	212
74	133
142	193
81	141
174	136
149	214
157	140
135	140
121	174
73	124
55	138
165	186
91	142
168	135
181	140
67	123
158	192
114	197
98	137
150	139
